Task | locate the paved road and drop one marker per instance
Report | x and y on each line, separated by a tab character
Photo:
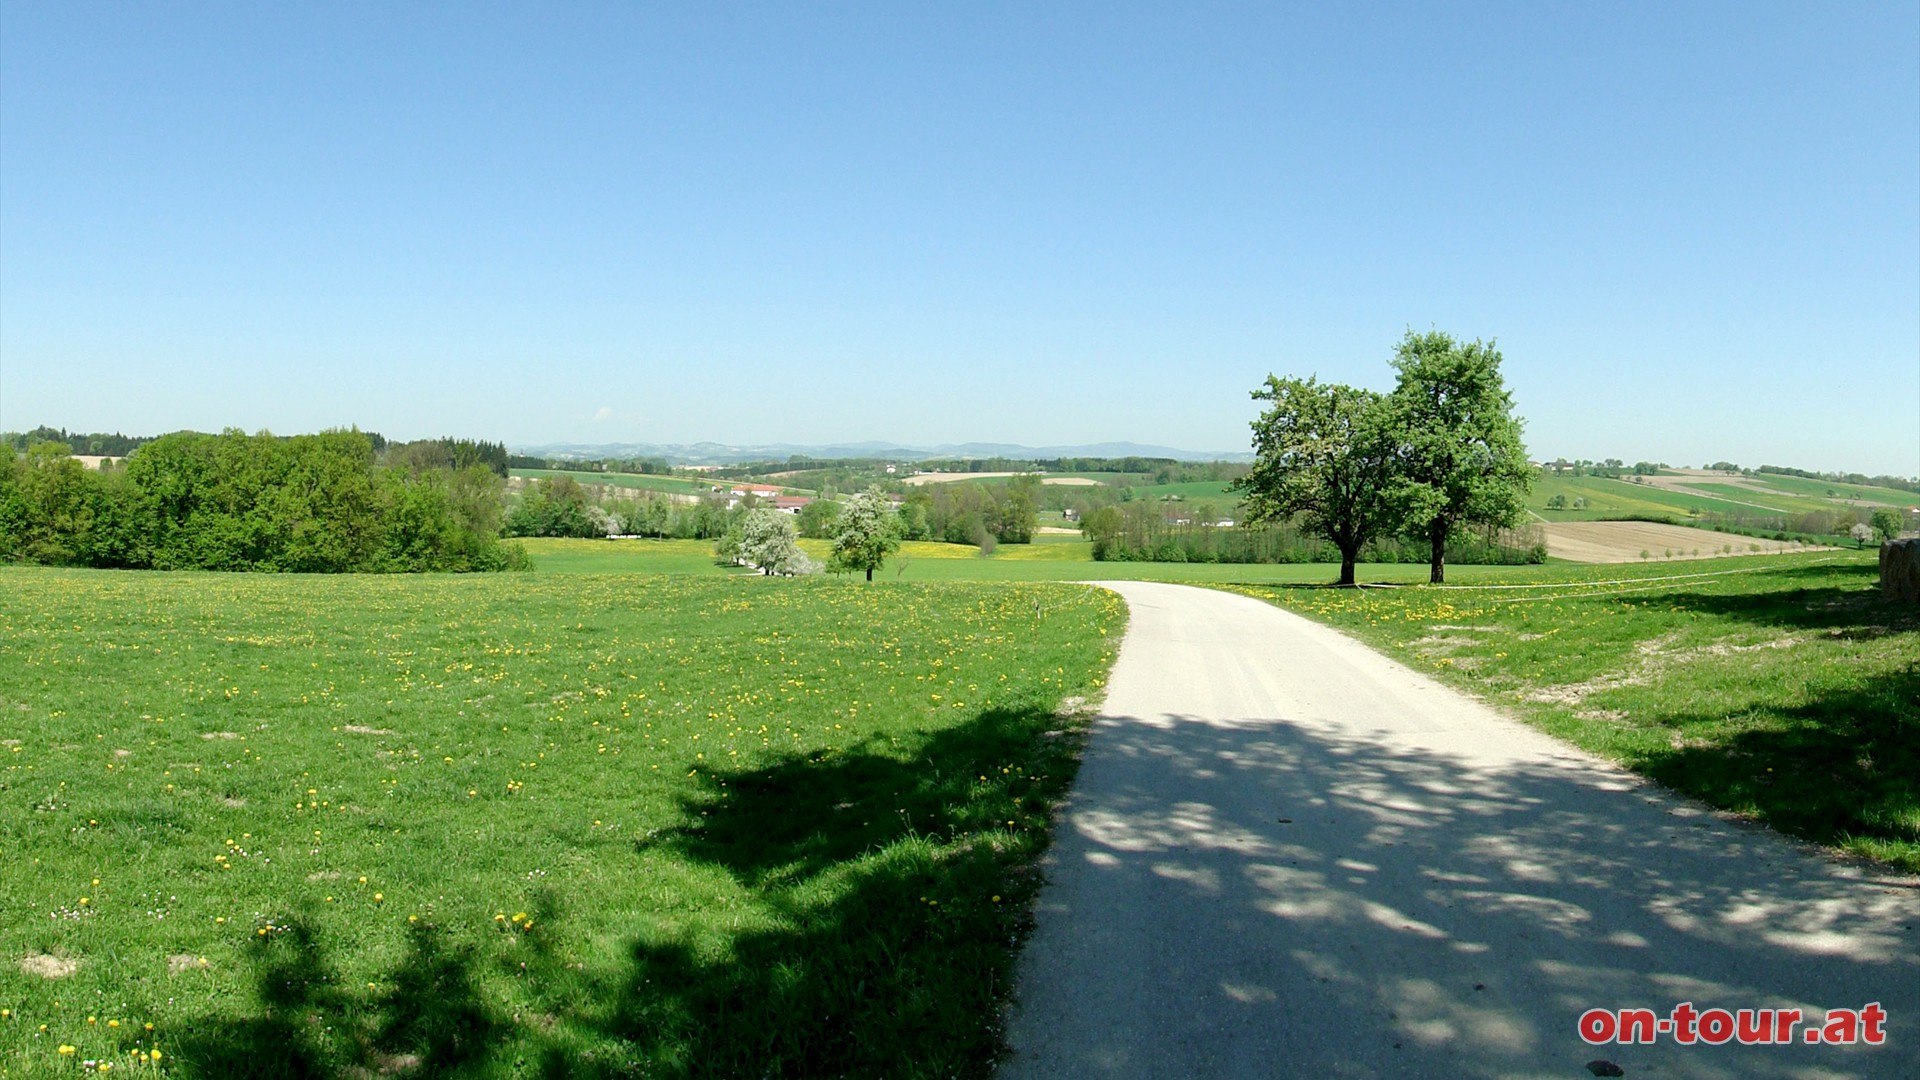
1289	856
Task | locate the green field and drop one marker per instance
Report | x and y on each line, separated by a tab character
1607	498
1065	560
1211	491
1788	692
546	825
1818	489
1773	500
673	485
1783	495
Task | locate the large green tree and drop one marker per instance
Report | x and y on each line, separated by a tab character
1886	522
1460	458
1322	451
866	533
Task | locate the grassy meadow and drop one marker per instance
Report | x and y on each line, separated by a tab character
1785	691
553	825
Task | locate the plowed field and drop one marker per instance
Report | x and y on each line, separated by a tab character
1631	541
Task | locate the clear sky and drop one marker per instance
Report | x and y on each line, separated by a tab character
1693	228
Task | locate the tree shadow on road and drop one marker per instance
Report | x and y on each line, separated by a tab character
1349	906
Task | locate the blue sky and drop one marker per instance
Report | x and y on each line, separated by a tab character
1694	229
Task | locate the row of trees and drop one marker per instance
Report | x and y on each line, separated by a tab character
1440	451
310	503
1611	468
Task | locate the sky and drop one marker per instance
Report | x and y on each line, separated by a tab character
1692	229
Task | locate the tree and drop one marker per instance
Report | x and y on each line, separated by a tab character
865	535
1014	516
1321	451
817	518
1861	533
1460	456
1101	526
1886	522
769	544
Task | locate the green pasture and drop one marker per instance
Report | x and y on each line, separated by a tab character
1783	690
547	824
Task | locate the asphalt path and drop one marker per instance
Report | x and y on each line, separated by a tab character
1288	856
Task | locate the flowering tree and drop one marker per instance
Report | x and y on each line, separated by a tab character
865	534
769	544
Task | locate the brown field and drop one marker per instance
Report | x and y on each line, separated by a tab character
1623	541
948	478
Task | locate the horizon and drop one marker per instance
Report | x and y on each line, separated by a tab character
1066	226
1119	448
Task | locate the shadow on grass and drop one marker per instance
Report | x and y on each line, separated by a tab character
892	881
1845	765
1846	602
431	1019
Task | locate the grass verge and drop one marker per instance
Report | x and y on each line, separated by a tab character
1787	692
524	825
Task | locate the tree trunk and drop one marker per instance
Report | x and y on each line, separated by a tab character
1347	558
869	573
1438	576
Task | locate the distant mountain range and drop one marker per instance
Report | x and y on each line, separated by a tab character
710	453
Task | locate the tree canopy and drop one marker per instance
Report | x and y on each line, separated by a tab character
307	504
1324	451
865	534
769	543
1351	465
1459	458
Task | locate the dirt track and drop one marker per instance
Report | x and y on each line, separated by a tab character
1623	541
